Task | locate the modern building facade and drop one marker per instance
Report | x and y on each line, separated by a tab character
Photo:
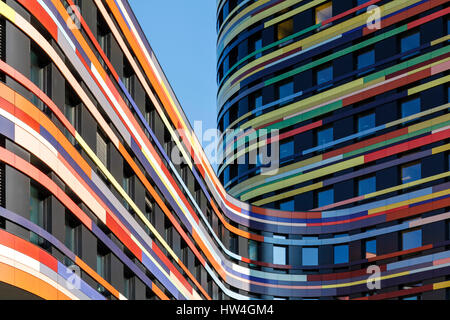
358	94
94	205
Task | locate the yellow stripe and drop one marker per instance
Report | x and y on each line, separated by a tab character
441	285
7	12
292	13
302	178
408	202
434	42
288	194
428	85
407	185
254	181
227	90
354	283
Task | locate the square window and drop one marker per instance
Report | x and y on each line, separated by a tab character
411	239
366	122
410	107
341	253
286	90
366	59
411	172
310	256
286	149
285	29
324	74
287	205
325	198
367	185
410	42
279	255
325	136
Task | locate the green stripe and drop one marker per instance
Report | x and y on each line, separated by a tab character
274	44
407	64
337	55
397	139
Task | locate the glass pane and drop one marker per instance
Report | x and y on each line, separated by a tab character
285	29
412	239
286	149
102	149
258	46
325	198
410	107
101	265
366	186
366	59
310	256
258	105
252	250
325	136
371	248
410	42
226	175
411	172
286	90
366	122
324	75
341	254
279	254
287	206
36	212
70	238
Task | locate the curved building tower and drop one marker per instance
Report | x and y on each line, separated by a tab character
102	198
352	99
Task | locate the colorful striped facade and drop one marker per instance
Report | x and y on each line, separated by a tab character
88	123
358	93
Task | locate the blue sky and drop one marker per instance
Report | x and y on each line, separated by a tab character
182	34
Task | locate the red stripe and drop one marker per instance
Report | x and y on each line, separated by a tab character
417	66
341	275
428	18
412	211
42	16
409	145
265	63
123	236
406	14
386	87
